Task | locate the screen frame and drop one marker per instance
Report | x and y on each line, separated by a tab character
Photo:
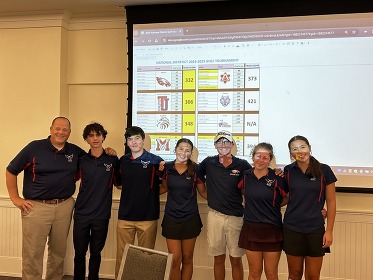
225	10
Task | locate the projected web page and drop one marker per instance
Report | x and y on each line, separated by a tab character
264	81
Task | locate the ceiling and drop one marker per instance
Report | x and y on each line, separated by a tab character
8	7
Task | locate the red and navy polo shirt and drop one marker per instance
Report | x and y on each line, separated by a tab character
98	175
181	201
223	194
48	173
263	197
306	198
139	200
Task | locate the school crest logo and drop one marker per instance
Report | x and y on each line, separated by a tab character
163	103
69	157
145	163
222	123
269	182
225	100
163	123
108	166
162	144
225	78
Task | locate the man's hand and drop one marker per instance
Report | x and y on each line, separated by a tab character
324	213
110	151
161	165
279	172
11	184
23	204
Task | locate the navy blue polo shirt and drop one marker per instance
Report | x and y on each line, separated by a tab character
223	194
97	175
263	197
306	198
181	201
48	173
139	200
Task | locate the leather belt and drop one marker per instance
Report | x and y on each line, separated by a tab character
51	201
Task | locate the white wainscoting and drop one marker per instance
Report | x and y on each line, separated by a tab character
351	257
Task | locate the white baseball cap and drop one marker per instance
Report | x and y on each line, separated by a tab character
223	134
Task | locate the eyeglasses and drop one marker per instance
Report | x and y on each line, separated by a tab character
262	156
223	143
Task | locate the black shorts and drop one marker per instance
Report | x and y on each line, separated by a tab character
179	230
304	244
260	237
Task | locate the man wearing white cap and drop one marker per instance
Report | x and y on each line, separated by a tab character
224	221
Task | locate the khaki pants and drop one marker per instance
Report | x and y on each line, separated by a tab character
126	232
223	231
46	223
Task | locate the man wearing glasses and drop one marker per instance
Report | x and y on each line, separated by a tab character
224	221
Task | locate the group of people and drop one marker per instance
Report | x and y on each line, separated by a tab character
244	204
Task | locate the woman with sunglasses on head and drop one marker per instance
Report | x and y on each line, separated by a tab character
181	223
311	184
261	233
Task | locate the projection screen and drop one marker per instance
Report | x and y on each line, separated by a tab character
263	79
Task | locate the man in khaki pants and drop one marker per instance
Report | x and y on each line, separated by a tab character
49	167
139	201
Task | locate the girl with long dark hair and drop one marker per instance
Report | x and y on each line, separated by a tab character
311	184
181	223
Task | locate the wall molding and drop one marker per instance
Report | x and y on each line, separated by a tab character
64	19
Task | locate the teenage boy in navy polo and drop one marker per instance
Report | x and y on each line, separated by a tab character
139	200
225	218
49	167
98	173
